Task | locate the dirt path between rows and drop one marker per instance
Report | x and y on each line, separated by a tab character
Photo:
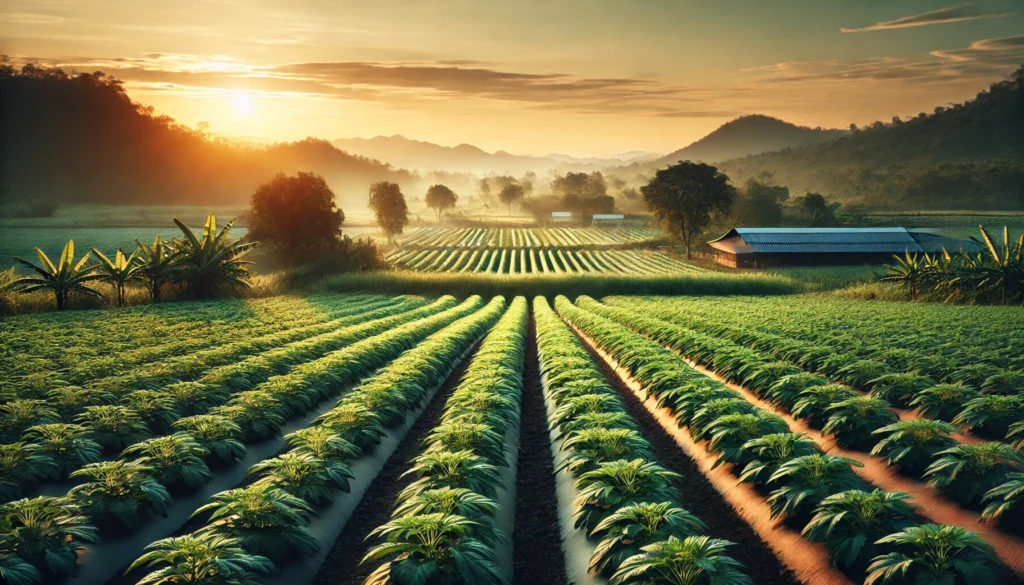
537	560
771	554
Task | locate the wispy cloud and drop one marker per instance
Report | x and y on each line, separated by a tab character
958	13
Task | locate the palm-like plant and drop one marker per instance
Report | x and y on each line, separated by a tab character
968	471
1006	498
620	483
156	409
814	402
23	465
991	415
694	560
1004	272
943	401
354	423
63	279
1016	435
201	559
589	448
15	571
786	391
18	415
850	522
853	421
899	389
113	427
713	410
1006	382
69	446
303	475
435	549
322	443
630	528
216	435
804	482
70	401
118	272
213	260
120	492
912	444
936	555
45	532
773	450
908	272
158	264
731	433
176	459
256	412
265	519
446	500
455	469
479	438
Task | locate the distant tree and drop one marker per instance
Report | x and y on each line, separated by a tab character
760	204
686	197
440	198
583	193
295	215
485	188
631	193
813	209
510	194
388	205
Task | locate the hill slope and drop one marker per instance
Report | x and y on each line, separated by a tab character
749	135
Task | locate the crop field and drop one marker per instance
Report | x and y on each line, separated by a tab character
364	438
526	237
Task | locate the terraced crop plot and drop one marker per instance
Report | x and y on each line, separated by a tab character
526	237
539	261
366	438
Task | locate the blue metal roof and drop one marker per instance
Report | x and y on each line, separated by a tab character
818	240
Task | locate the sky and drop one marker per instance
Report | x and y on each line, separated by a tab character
582	77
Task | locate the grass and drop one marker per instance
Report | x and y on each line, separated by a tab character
825	278
551	285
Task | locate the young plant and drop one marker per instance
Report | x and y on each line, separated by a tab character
786	391
305	476
217	436
113	427
991	416
853	421
354	423
69	446
773	450
62	279
814	402
731	433
912	444
944	401
861	373
322	443
15	571
694	560
968	471
46	533
177	460
455	469
478	438
804	482
850	522
120	492
712	411
620	483
257	413
630	528
18	415
201	559
935	555
899	389
1006	499
589	448
155	408
446	500
23	465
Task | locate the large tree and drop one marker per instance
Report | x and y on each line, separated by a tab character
686	197
388	205
440	198
760	203
295	215
511	193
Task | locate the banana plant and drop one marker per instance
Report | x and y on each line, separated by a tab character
216	435
62	279
201	559
118	272
177	460
23	465
850	522
853	421
46	533
804	482
694	560
967	472
912	444
934	554
432	548
771	451
1005	499
1004	272
630	528
121	492
620	483
212	261
305	476
158	264
908	272
69	446
943	401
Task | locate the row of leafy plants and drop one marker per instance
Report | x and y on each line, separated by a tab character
980	398
107	417
265	523
119	494
868	532
626	501
443	529
995	275
204	264
526	237
184	357
972	474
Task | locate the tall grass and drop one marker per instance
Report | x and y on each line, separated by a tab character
510	285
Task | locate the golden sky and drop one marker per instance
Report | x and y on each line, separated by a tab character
583	77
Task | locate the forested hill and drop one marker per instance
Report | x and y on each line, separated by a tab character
749	135
968	156
80	139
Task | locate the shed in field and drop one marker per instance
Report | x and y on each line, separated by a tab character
764	247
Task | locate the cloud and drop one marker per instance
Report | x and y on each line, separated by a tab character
958	13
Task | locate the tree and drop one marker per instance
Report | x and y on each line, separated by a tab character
815	210
62	279
295	215
440	198
510	194
388	205
119	271
760	204
686	198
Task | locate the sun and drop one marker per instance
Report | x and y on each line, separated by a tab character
242	104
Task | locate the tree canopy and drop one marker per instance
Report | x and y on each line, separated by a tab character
686	197
296	215
440	198
388	205
511	193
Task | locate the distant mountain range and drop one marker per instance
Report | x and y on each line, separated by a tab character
749	135
403	152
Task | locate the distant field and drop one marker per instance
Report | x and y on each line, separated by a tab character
527	237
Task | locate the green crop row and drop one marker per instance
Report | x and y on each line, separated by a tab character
526	237
865	530
626	501
550	260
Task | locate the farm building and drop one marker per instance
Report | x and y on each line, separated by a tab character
762	247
